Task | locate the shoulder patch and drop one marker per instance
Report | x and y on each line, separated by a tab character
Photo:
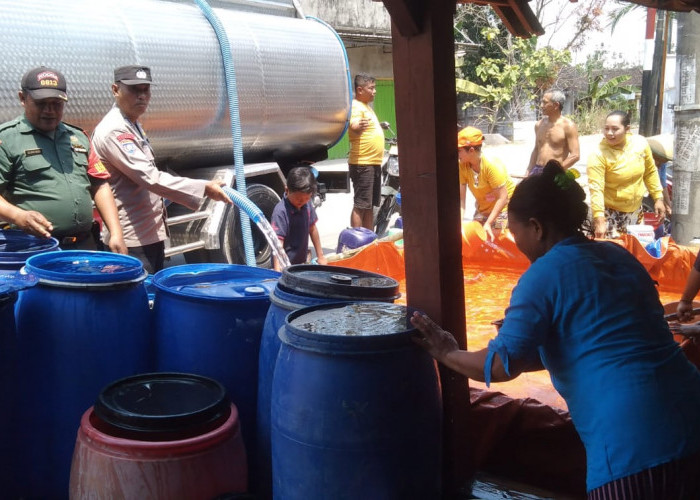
126	136
128	143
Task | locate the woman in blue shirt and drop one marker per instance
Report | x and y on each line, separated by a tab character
589	313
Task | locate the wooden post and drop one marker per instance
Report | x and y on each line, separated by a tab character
426	115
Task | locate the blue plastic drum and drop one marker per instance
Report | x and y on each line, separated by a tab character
208	321
356	406
10	283
303	286
84	325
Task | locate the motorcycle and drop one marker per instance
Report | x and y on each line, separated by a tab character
390	183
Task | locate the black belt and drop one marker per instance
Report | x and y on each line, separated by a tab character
74	238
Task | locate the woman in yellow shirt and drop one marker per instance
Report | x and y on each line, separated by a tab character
619	174
486	178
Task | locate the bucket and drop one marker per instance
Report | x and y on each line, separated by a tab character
84	325
208	320
17	246
354	237
303	286
160	436
356	406
644	233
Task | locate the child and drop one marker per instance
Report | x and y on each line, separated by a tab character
294	218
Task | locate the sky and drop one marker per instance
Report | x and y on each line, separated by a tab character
625	44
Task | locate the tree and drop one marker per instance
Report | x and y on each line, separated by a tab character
580	19
508	72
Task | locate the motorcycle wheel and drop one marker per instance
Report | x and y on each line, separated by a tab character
386	210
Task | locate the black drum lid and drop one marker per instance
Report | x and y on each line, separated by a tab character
162	406
342	283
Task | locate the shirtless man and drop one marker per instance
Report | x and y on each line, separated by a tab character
556	137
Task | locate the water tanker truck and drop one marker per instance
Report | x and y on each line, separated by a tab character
290	82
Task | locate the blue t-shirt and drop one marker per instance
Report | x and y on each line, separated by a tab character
590	311
292	227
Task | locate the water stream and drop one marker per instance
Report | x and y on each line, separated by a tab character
274	242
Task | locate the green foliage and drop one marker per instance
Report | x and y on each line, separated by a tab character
514	79
611	92
601	97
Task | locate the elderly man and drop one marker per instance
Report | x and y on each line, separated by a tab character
556	137
138	186
49	174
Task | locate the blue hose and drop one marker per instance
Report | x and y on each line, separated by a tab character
232	91
245	204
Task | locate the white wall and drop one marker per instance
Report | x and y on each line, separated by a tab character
364	14
373	60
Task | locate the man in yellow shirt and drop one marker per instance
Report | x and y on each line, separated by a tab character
366	153
486	178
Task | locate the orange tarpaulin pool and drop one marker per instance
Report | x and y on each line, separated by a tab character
491	270
523	431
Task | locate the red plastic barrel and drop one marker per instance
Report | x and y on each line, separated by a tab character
159	436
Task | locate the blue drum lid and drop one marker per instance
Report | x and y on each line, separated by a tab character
342	283
83	267
217	281
349	327
162	406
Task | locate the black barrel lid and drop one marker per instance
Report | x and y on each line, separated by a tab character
163	406
342	283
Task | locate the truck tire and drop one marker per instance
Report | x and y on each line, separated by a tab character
231	248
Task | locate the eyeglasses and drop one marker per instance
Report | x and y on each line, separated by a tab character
471	149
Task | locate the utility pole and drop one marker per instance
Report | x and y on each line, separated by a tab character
649	82
686	161
651	104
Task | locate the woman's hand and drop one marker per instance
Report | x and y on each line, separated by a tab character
660	209
684	311
600	227
432	338
691	331
489	231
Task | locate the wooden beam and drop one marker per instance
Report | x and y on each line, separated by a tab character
516	15
426	116
406	15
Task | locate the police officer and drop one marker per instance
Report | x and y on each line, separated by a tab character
49	174
137	184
